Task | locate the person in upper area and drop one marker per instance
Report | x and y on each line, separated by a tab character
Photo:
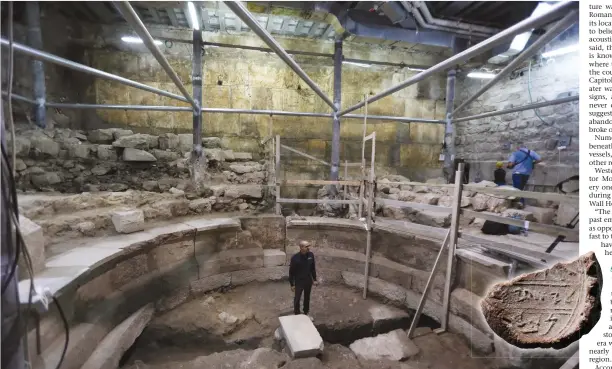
499	175
522	162
302	276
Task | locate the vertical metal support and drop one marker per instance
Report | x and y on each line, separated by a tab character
277	174
345	178
454	228
335	149
449	140
198	163
196	79
362	179
369	219
419	310
38	69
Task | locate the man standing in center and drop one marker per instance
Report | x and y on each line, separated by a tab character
302	275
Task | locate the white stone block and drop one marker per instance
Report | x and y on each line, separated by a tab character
128	221
35	243
394	345
274	257
301	336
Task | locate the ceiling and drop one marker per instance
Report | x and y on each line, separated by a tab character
299	19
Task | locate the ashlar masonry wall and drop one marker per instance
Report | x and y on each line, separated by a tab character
484	141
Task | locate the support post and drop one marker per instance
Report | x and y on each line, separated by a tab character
196	80
38	69
277	174
345	178
133	20
419	310
44	56
553	32
335	149
369	219
363	179
449	140
254	25
532	22
454	229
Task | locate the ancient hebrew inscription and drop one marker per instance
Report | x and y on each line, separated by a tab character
547	309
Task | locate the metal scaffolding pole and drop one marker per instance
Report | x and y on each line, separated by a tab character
19	98
222	110
395	119
553	32
335	149
254	25
133	20
525	25
44	56
38	69
196	79
562	100
449	140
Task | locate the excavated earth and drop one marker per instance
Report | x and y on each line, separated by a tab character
235	329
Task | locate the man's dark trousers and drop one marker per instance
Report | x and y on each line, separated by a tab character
299	288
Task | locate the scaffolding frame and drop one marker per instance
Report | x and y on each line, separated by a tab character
565	10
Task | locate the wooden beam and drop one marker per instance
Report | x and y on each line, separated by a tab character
550	230
154	15
317	182
545	196
173	18
315	201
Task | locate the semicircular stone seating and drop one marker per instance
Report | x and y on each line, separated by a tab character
102	282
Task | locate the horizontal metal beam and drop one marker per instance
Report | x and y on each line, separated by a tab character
118	107
525	25
553	32
562	100
316	201
395	119
44	56
265	112
133	20
254	25
19	98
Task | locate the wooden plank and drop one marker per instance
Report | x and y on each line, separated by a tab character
532	226
454	228
369	137
413	205
173	18
277	174
315	201
317	182
544	196
305	155
443	185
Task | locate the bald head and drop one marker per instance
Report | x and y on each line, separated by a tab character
304	247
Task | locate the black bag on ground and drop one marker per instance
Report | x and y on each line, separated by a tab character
494	228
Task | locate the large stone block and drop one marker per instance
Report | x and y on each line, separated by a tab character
109	352
274	257
130	154
394	345
210	283
542	215
301	336
137	141
230	261
35	243
128	221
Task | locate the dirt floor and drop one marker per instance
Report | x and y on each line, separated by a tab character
235	329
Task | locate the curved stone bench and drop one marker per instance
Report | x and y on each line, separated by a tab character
104	282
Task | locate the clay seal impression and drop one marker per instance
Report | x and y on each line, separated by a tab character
550	308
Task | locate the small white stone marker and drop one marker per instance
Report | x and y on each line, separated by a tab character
301	336
128	221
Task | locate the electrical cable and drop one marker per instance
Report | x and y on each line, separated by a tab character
10	84
66	325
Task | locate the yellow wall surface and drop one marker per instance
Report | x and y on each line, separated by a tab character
245	79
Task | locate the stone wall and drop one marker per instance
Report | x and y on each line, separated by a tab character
118	159
245	79
484	141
